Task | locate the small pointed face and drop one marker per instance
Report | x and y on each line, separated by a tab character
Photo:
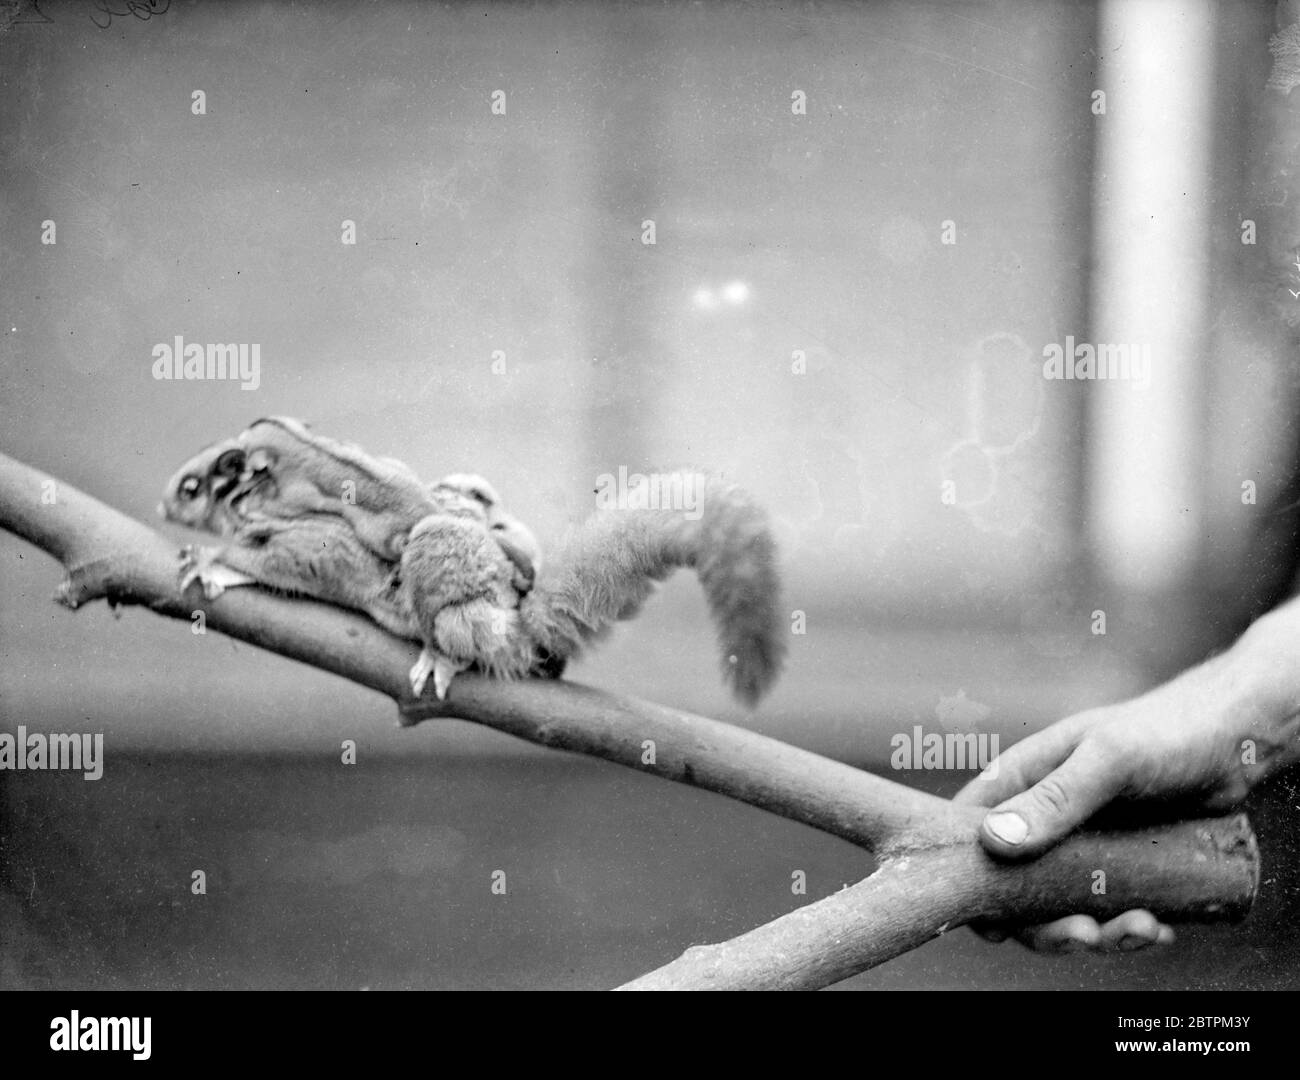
209	491
195	495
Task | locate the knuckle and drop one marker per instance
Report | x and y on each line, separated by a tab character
1048	794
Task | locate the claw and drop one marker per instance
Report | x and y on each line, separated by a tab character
444	671
189	576
442	668
421	671
525	566
200	564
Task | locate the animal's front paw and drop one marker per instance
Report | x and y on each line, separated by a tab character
201	564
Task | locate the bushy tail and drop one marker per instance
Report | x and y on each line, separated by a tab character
612	562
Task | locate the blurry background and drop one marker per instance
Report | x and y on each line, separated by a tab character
951	522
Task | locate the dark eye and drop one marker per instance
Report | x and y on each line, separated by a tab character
190	487
230	463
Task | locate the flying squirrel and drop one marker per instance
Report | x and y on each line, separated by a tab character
446	565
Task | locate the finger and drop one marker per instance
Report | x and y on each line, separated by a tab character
1074	933
1024	764
1031	822
1129	932
1134	930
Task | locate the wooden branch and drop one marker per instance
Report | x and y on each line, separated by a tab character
933	875
917	896
110	555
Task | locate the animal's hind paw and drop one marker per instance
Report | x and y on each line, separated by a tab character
442	668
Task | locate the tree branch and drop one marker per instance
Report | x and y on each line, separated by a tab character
933	875
917	896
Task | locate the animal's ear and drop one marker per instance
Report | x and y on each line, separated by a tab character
231	463
260	460
472	486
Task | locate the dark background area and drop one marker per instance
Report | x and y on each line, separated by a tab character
377	876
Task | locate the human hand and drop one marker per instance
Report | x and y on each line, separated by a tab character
1201	741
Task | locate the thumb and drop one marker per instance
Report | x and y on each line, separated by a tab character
1033	821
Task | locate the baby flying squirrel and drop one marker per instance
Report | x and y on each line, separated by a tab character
456	586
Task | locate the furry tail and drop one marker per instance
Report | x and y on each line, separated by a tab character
610	566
